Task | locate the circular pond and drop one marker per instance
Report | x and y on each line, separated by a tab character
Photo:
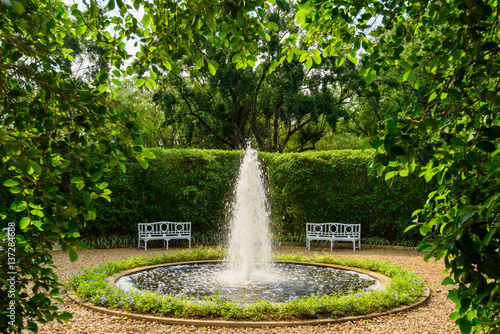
279	282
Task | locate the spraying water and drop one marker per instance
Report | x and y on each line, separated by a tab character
249	245
249	273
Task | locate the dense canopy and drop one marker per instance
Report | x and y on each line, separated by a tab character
60	132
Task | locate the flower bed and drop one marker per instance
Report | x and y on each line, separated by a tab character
92	286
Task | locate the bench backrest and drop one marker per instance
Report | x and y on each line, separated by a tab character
333	229
164	228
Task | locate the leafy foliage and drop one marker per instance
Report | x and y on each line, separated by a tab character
59	135
52	133
179	185
444	128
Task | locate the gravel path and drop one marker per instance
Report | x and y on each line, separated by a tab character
429	318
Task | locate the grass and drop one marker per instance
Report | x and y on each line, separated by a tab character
92	286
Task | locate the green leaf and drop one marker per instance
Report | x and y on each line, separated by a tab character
273	26
212	66
18	206
81	30
77	180
102	88
36	167
492	133
458	141
472	158
86	197
353	60
369	77
454	316
448	281
94	10
102	185
143	162
148	154
18	7
73	255
390	175
339	61
489	235
21	163
410	227
32	153
236	58
486	146
150	84
25	222
317	59
465	325
72	225
139	83
212	69
404	77
309	63
262	14
116	82
111	5
10	183
199	63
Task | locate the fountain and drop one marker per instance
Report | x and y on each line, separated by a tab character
248	273
249	246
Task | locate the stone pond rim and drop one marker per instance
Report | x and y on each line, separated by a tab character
384	281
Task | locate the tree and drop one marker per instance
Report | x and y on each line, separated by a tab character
288	109
58	136
449	132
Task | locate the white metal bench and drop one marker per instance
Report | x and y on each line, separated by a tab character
334	232
163	231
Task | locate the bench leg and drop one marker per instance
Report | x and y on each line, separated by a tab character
166	243
139	244
189	242
146	244
331	245
308	244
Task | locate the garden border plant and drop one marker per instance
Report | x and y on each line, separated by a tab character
93	286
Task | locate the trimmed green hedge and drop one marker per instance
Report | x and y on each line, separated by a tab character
179	185
196	185
334	186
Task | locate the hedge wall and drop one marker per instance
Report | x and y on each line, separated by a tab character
196	185
334	186
179	185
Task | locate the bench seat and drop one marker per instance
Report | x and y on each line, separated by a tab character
334	232
163	231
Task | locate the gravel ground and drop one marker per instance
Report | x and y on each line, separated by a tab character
431	317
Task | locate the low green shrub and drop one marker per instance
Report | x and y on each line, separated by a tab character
92	286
